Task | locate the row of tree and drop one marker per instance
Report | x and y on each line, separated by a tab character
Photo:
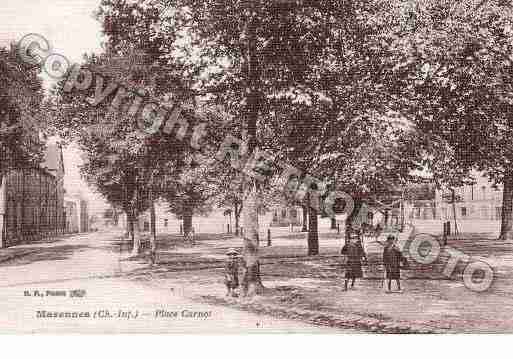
360	93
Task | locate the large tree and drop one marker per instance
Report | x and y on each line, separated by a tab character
255	57
230	192
191	191
21	96
455	65
240	53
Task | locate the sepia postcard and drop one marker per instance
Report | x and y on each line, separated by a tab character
236	167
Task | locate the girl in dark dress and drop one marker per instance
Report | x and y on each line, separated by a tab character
392	260
354	253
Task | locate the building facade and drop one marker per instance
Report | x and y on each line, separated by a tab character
479	201
32	201
71	216
77	214
284	216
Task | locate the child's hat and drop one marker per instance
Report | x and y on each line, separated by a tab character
232	252
390	238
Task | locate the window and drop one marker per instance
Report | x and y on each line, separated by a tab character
484	213
166	222
483	192
283	213
463	211
293	213
497	194
467	193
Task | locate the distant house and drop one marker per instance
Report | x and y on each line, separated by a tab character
481	200
167	222
77	214
71	216
284	216
32	200
478	201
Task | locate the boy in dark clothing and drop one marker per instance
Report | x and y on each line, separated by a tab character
354	253
231	272
392	260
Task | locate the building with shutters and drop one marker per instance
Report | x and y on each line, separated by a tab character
479	201
284	216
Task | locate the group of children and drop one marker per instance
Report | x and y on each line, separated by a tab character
393	261
355	257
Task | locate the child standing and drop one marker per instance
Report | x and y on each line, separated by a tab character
231	272
392	260
354	253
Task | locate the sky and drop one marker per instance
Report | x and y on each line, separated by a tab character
71	29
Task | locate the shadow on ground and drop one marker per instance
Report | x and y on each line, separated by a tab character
53	253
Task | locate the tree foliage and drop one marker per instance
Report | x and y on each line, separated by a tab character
21	95
455	65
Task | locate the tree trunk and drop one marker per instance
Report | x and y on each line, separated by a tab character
187	221
333	223
116	217
136	249
453	196
402	212
2	209
507	209
251	281
313	234
237	220
129	227
237	211
352	219
153	230
305	218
